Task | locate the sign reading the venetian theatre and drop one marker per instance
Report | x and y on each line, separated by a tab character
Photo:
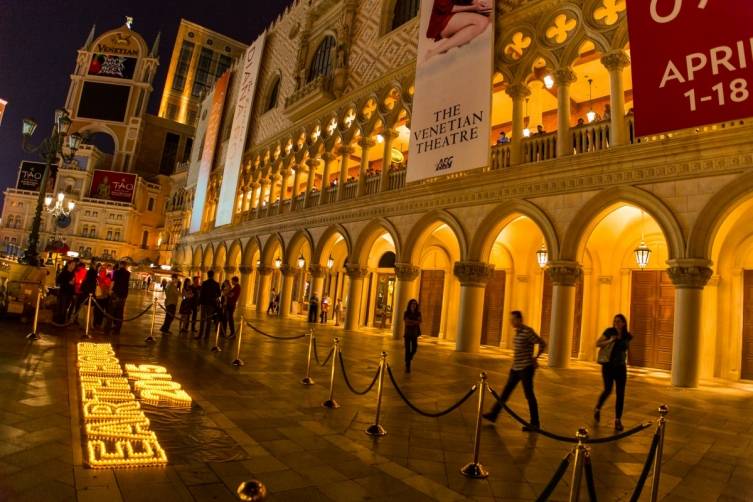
452	101
692	62
249	75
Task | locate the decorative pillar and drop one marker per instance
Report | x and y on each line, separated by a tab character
615	61
473	276
345	152
324	192
564	276
389	135
285	175
365	144
356	273
265	288
689	277
564	77
405	289
286	296
296	182
317	283
518	93
247	274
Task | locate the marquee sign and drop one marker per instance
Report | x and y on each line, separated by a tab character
30	176
113	185
105	65
695	67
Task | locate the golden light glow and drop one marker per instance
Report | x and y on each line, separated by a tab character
154	385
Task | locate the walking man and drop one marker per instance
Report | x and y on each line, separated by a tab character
209	296
228	320
523	369
118	295
313	307
171	303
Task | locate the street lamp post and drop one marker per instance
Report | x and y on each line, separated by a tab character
52	149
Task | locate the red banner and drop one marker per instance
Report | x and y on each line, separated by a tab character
692	62
113	185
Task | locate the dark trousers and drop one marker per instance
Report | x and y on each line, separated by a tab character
526	377
313	311
169	316
411	346
614	374
193	314
98	315
228	320
323	317
116	310
61	313
207	316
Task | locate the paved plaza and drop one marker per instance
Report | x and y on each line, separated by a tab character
259	422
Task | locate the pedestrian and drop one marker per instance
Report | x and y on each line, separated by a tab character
101	296
523	369
338	311
196	286
148	282
324	310
118	295
613	352
89	284
231	300
171	303
64	282
79	274
277	304
313	307
209	296
222	305
272	297
412	321
187	305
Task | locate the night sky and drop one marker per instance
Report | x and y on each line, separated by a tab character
39	40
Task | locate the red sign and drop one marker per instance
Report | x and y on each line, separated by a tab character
113	185
692	62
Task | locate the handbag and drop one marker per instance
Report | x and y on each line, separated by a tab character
605	353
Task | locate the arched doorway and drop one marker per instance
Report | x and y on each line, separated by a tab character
297	276
271	275
330	258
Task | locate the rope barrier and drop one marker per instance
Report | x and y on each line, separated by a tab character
272	336
181	318
556	478
424	413
129	319
326	359
646	468
590	478
347	381
565	439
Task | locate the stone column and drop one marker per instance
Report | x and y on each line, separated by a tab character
405	289
615	61
389	135
317	283
473	276
564	276
228	272
345	152
202	273
365	144
689	277
564	77
356	273
327	158
247	275
312	165
518	93
296	181
286	296
285	180
265	288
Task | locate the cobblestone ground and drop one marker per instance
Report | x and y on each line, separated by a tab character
258	421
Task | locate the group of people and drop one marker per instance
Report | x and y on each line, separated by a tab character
317	311
208	301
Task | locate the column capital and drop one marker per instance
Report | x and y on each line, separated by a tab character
263	271
328	156
228	269
356	271
615	60
312	162
564	76
345	149
316	270
518	91
245	270
389	134
564	273
288	271
605	279
473	273
406	271
689	273
366	142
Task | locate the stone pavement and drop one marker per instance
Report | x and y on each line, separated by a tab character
258	421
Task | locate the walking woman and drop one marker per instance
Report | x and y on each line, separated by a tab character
412	318
613	351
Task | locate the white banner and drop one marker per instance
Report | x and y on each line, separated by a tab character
452	101
249	74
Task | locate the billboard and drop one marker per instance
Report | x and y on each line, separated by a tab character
30	176
201	131
106	65
208	149
452	102
113	185
101	101
249	74
681	79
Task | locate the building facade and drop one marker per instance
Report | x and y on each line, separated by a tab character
552	226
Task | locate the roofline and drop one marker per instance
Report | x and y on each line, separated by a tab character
186	22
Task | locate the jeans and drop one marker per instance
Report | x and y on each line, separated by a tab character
611	374
411	346
207	316
228	320
169	316
526	377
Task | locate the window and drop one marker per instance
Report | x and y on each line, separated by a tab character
87	213
93	232
184	62
192	117
187	147
169	154
404	11
150	204
117	235
109	235
223	64
321	64
203	79
85	231
274	92
144	239
172	111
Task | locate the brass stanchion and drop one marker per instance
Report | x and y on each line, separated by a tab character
307	380
376	429
150	338
330	402
86	334
474	469
238	361
252	491
216	347
35	335
663	411
580	453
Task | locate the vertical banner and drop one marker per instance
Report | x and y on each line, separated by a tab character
695	67
2	109
207	153
249	74
452	101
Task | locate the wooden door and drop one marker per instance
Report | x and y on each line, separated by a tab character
430	301
746	368
651	322
546	312
494	305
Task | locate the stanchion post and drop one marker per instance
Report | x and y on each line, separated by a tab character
216	347
238	362
580	453
35	335
307	380
475	469
150	338
663	410
376	428
86	334
330	402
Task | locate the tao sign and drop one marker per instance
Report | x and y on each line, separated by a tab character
692	62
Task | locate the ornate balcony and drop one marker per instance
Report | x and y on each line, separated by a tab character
309	98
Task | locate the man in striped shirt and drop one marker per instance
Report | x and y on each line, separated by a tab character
523	368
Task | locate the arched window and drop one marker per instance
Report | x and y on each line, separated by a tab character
404	11
321	64
274	91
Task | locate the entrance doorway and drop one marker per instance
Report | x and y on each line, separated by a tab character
546	313
746	368
384	300
430	301
494	304
652	310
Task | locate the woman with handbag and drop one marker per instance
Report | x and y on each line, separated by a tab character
613	350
